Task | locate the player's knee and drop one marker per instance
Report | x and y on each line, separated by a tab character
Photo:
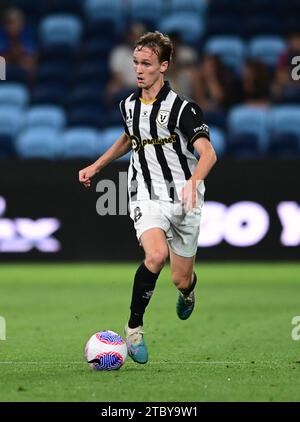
156	259
181	280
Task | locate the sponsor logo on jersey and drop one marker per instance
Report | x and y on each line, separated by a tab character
137	144
203	128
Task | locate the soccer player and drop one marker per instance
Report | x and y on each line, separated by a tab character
165	181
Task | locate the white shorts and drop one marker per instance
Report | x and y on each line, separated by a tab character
181	228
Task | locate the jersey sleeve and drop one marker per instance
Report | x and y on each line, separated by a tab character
191	123
123	113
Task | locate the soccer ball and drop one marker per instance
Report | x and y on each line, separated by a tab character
105	351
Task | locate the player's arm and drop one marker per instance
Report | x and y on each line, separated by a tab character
197	135
119	148
206	162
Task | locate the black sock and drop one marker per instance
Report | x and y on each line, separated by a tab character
143	286
187	291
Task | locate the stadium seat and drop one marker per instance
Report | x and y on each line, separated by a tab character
7	149
11	119
248	131
93	71
10	122
215	118
13	94
108	138
192	6
54	72
219	7
61	6
106	11
61	29
262	25
188	25
80	142
87	116
147	12
224	24
50	93
285	131
285	118
231	50
45	115
218	140
98	47
266	49
39	143
87	94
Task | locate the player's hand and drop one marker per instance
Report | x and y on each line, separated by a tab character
86	174
189	195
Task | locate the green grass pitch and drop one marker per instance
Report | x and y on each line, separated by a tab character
237	345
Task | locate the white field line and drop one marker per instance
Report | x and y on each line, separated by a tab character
203	362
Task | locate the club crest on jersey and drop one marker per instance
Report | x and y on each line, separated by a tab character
163	117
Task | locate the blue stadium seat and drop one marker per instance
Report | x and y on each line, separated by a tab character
285	131
267	49
80	142
7	149
148	12
87	116
90	94
13	94
54	72
97	47
189	26
218	140
95	70
106	11
45	115
262	25
223	24
49	93
248	131
218	7
11	120
215	118
108	138
231	50
192	6
61	29
61	6
285	118
39	143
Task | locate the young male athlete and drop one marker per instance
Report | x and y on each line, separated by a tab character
165	181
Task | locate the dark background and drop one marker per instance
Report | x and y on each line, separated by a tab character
39	189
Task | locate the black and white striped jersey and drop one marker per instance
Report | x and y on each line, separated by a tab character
162	135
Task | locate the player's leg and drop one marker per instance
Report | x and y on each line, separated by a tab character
156	252
185	279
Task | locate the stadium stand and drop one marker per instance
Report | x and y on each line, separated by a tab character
68	87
